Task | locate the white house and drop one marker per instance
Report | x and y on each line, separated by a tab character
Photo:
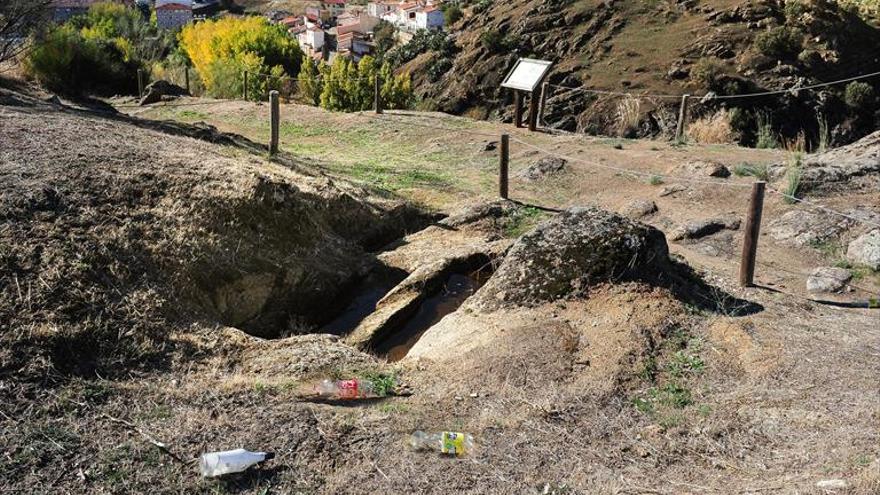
383	8
429	18
311	38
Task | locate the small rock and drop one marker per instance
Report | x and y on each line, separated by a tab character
704	168
671	189
701	228
832	485
545	167
474	395
828	279
639	208
865	250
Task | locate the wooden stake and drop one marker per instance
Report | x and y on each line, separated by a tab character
140	83
517	108
377	94
545	94
245	87
681	126
750	238
275	121
503	165
533	111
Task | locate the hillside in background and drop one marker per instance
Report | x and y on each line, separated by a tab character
660	47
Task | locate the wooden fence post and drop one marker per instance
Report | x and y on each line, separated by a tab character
681	126
517	108
186	78
140	83
245	87
275	121
545	92
503	165
750	237
533	111
377	94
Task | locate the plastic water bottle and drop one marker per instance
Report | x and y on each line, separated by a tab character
345	389
445	442
230	461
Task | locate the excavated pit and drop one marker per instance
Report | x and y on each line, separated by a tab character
454	292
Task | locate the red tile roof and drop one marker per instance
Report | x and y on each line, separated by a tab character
174	6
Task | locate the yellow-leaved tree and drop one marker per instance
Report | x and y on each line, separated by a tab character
222	50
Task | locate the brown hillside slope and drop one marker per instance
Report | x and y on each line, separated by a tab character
662	47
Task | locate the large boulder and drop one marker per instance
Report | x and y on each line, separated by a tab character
569	253
865	250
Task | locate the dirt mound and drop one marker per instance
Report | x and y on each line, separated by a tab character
115	236
566	255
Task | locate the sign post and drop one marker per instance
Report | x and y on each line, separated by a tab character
525	77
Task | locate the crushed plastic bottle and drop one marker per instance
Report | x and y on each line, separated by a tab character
355	388
445	442
230	461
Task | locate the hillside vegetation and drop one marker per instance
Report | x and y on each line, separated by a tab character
725	47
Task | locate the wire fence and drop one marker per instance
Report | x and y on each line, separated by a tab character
288	89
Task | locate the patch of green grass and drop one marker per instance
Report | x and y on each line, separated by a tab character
673	394
655	180
383	383
393	179
521	221
704	410
297	130
758	171
684	362
642	405
793	179
193	115
649	369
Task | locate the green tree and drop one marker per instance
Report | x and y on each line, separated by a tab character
452	14
308	81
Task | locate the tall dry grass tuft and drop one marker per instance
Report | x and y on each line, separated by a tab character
628	113
824	134
796	148
713	129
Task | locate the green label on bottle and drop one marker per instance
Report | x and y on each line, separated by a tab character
453	443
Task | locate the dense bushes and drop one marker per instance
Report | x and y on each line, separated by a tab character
222	50
349	87
859	96
99	52
781	42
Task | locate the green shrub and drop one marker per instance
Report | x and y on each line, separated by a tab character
452	14
758	171
859	96
492	40
794	9
781	42
707	72
766	139
66	62
348	87
99	52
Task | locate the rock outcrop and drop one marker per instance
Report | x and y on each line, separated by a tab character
865	250
828	279
566	255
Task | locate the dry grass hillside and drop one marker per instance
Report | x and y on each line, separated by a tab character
166	289
658	48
